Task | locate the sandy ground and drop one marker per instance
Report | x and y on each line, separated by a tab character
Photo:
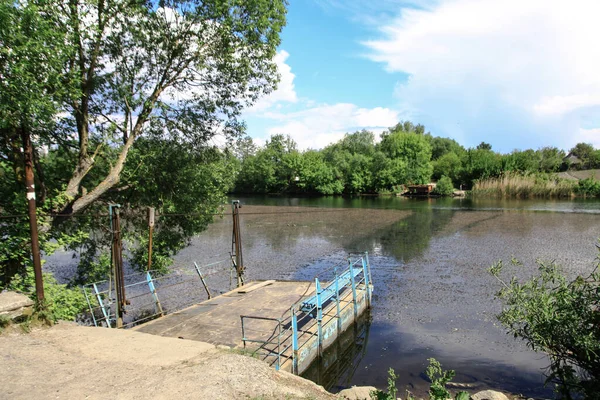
74	362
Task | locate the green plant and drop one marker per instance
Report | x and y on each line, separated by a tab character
437	391
439	378
392	391
444	186
560	317
62	302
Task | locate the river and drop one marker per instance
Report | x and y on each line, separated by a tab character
429	257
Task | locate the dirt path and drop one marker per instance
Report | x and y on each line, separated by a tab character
75	362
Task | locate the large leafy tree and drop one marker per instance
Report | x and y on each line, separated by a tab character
111	87
412	150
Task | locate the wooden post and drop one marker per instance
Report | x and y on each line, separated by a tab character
150	232
117	262
236	242
31	208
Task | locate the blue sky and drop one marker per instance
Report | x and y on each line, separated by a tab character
517	74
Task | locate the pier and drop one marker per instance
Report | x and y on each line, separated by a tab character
288	324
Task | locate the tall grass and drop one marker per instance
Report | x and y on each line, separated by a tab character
524	186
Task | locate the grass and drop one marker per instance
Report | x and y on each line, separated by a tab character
520	186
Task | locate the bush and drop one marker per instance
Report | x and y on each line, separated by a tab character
444	186
562	319
588	187
62	303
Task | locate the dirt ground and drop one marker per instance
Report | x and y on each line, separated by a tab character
74	362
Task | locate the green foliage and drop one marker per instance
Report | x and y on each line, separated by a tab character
441	146
480	164
586	153
588	187
63	303
437	390
450	165
439	378
444	186
412	151
392	391
559	317
67	73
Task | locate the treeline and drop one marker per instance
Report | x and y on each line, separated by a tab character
406	154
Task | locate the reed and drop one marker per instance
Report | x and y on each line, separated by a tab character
524	186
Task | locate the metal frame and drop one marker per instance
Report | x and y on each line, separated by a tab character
294	332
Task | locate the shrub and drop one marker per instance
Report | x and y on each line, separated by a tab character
62	302
444	186
437	390
588	187
562	319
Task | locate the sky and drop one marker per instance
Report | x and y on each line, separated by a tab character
517	74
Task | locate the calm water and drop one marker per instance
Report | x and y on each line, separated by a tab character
433	296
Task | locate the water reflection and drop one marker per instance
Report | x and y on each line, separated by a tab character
336	368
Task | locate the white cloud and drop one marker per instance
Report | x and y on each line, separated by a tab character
285	91
591	136
530	68
558	105
316	127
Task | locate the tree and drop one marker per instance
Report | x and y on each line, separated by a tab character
521	161
450	165
182	69
551	159
123	77
583	151
360	142
412	150
441	146
480	164
484	146
316	176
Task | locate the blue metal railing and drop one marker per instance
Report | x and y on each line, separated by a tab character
291	334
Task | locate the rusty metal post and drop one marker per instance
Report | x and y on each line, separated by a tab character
117	262
236	242
35	245
150	232
203	281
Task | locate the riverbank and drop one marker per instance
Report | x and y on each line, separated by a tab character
75	362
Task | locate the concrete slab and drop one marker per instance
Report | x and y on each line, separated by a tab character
218	320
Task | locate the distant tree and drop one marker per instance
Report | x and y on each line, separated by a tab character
522	161
583	151
244	147
551	159
407	127
595	159
441	146
450	165
317	176
360	142
480	164
484	146
411	150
